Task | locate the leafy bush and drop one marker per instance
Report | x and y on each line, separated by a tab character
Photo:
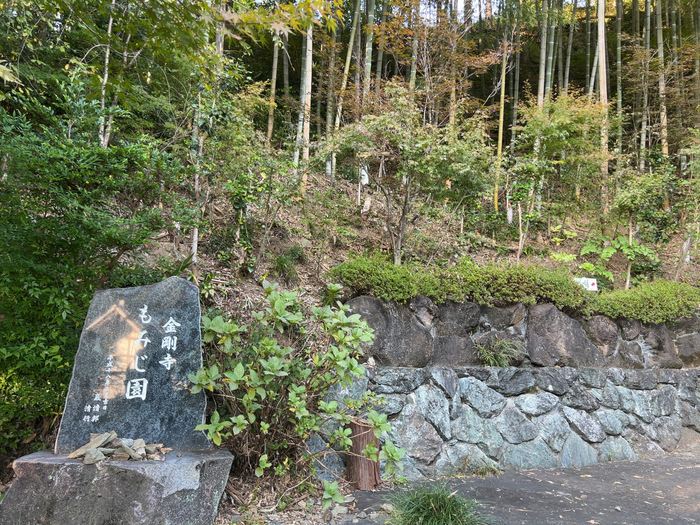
653	302
434	506
271	381
70	212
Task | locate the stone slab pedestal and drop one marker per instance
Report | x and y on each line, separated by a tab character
51	489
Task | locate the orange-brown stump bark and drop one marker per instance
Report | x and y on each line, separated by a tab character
362	472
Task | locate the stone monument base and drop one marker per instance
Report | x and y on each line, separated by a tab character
50	489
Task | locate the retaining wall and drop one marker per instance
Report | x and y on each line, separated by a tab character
454	421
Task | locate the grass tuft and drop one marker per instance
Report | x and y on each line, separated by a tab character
435	506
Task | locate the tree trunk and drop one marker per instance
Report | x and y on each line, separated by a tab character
300	117
346	69
645	87
330	92
285	63
380	54
697	58
308	71
560	48
569	47
367	80
105	77
516	79
362	472
618	63
663	119
603	89
541	82
594	72
414	53
588	46
499	151
330	163
273	86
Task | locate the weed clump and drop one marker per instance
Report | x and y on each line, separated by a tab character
500	352
435	506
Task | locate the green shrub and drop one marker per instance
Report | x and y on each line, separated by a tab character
434	506
377	276
652	302
71	212
271	381
488	285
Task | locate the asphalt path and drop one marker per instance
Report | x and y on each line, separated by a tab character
656	491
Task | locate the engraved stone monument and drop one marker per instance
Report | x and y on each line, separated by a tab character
130	376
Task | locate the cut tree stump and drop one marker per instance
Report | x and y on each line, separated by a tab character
362	472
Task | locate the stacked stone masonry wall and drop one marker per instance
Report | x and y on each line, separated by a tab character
473	419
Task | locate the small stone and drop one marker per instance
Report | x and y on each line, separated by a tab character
106	451
349	499
95	442
92	456
131	452
150	450
138	443
362	514
387	507
120	456
339	509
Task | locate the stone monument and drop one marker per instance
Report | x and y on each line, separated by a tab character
130	376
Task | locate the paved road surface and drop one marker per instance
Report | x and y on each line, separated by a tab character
647	492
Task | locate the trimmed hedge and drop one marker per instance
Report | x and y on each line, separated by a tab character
493	285
653	302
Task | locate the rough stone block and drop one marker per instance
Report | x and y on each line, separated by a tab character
556	380
514	426
533	454
555	339
537	404
689	349
616	449
511	381
554	429
431	402
586	425
397	380
485	401
658	348
50	489
446	379
577	453
580	397
603	333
